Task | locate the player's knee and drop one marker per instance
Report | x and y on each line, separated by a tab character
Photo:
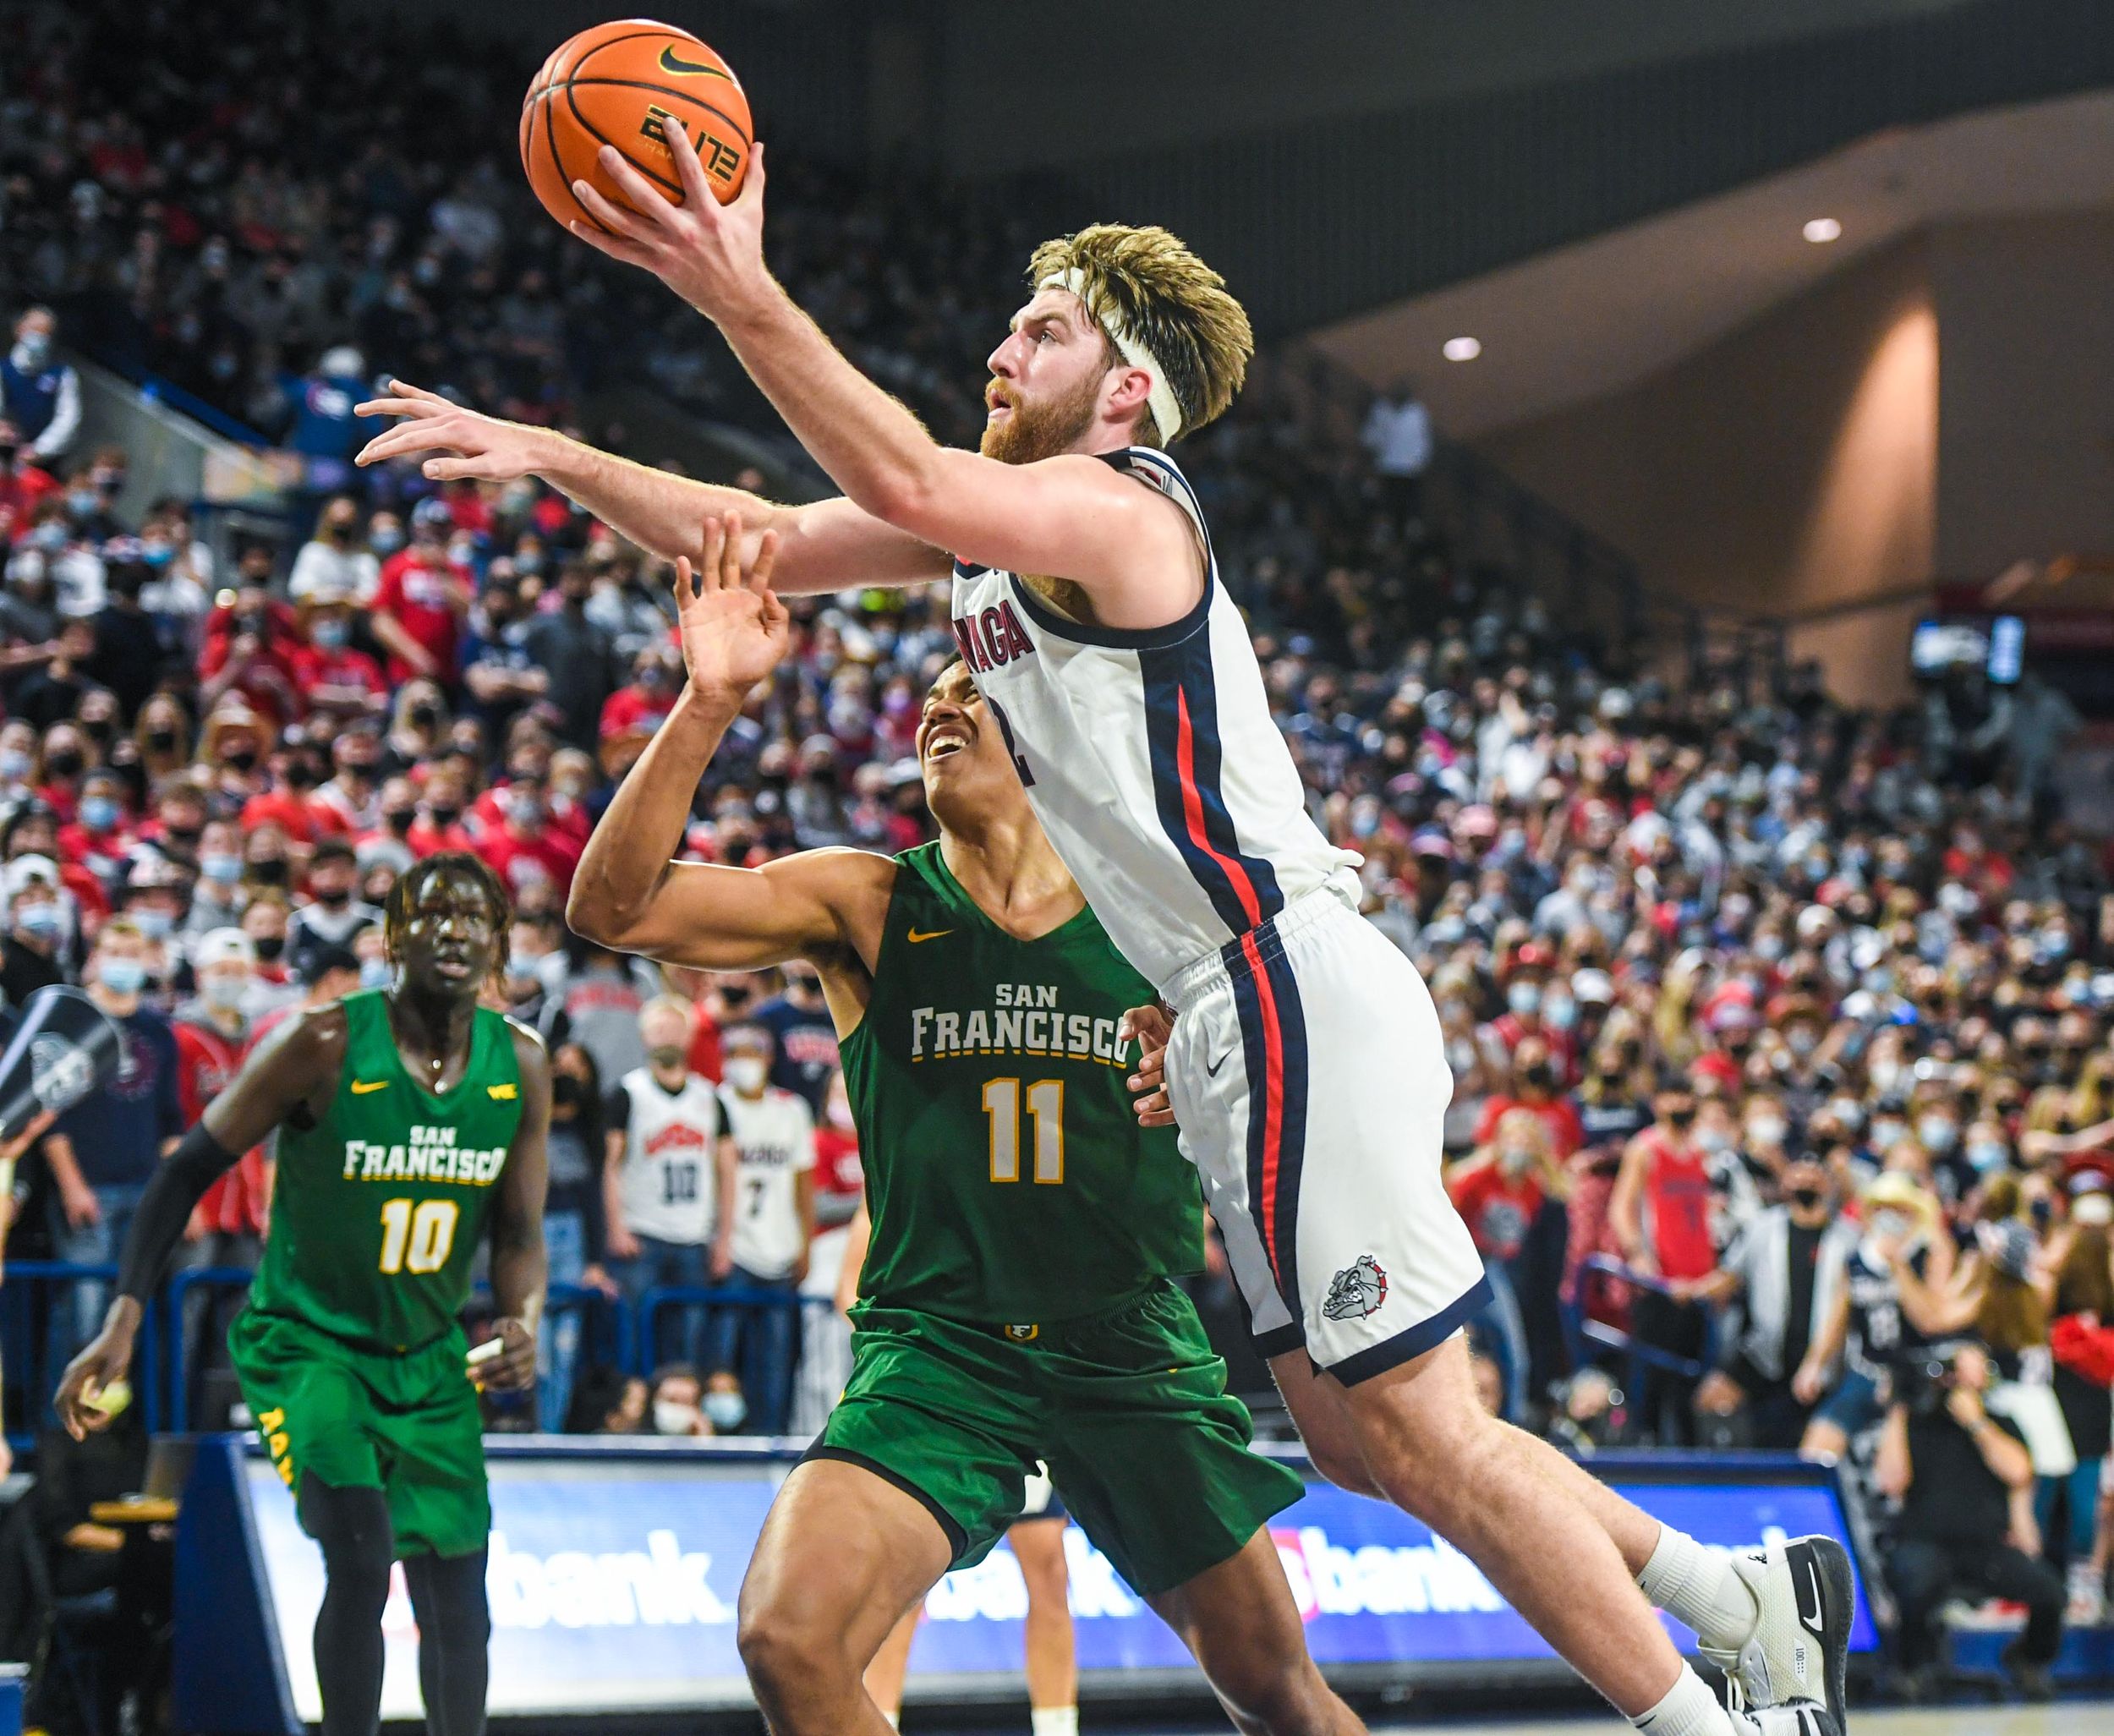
782	1649
1341	1463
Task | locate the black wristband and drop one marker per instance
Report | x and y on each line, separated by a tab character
197	1162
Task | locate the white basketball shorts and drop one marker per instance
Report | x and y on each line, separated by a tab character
1309	1082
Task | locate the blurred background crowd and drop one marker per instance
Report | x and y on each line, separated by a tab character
1784	1108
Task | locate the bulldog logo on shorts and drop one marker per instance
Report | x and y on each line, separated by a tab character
60	1073
1357	1290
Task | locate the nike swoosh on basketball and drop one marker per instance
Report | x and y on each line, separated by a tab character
669	64
362	1087
929	935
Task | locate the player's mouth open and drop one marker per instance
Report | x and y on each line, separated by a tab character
945	740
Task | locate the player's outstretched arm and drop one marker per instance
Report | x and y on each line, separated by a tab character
628	893
297	1064
1071	517
520	1268
825	546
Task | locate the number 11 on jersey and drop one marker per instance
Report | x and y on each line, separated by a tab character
1046	1106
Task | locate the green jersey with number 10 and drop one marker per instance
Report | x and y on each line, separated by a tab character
1008	1179
377	1210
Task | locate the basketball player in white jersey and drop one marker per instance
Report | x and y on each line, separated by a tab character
1305	1068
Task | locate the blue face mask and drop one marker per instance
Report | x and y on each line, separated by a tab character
14	765
331	635
42	920
82	502
123	975
385	541
99	813
726	1410
225	870
36	347
155	924
375	973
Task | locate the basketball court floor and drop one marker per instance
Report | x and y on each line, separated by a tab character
2062	1717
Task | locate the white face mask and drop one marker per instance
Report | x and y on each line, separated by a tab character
745	1072
672	1418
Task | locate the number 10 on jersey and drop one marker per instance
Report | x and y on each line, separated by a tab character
1045	1108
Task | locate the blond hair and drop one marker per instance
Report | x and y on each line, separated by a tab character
1146	283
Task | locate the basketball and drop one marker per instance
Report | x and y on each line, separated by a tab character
621	84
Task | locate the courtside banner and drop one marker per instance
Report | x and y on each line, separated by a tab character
614	1577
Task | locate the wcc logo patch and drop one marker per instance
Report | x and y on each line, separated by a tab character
1357	1290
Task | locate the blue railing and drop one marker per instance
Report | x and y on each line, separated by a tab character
614	1330
1582	1330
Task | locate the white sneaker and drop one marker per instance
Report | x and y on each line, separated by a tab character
1794	1718
1800	1649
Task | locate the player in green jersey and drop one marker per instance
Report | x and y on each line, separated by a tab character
410	1119
1019	1302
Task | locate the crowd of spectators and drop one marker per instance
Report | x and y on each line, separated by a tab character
1783	1034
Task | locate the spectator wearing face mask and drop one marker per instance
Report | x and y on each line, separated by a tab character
338	681
1500	1190
100	837
422	600
332	915
669	1173
1780	1278
1897	1296
579	665
1535	1087
676	1409
39	393
804	1037
1660	1213
213	1030
104	1150
642	704
153	904
1526	988
525	847
334	561
574	1222
37	926
772	1206
217	897
1964	1480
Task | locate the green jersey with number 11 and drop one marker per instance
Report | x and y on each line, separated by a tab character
377	1209
1008	1179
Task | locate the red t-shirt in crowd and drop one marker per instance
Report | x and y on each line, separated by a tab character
705	1059
838	1174
314	667
519	861
1677	1208
206	1059
1566	1132
1498	1208
284	808
419	596
630	708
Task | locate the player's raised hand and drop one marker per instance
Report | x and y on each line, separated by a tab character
710	254
734	628
463	442
1154	1027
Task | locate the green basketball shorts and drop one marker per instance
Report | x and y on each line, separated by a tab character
1129	1408
360	1418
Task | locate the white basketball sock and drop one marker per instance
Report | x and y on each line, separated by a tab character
1053	1720
1696	1586
1690	1709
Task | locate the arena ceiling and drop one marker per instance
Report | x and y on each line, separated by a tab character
1582	320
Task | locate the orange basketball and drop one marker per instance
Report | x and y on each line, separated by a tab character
619	84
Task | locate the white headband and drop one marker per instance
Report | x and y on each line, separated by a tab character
1159	394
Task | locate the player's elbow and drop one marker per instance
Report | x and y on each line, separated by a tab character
594	911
